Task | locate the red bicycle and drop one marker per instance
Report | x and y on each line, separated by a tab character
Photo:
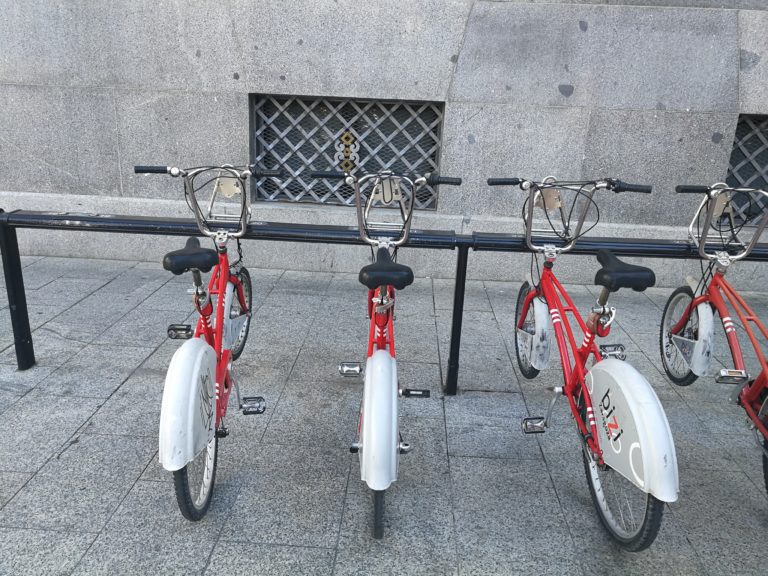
200	376
687	325
379	442
628	452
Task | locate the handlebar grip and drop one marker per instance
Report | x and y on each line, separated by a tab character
268	174
329	175
691	189
619	186
150	169
433	180
504	181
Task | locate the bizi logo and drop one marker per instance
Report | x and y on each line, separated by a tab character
611	425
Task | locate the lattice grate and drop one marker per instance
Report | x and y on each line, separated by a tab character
748	166
299	135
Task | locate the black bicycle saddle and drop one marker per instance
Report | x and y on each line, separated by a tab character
385	272
616	274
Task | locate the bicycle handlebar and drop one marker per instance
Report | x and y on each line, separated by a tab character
330	175
619	186
151	169
434	179
692	189
615	185
504	181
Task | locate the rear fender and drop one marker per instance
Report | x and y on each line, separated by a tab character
188	412
379	449
633	431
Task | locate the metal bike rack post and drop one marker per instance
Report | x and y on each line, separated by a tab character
17	298
452	378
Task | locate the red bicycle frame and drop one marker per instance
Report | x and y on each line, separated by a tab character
573	359
214	334
749	397
381	335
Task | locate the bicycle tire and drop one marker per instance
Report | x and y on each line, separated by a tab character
378	514
675	367
245	280
523	360
194	482
765	463
631	539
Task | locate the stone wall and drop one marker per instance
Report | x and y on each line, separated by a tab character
645	90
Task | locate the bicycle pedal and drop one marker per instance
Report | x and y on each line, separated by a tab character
222	432
613	351
354	449
180	332
414	393
730	376
253	405
350	369
534	425
405	447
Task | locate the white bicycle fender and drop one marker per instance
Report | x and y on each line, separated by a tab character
379	448
187	415
633	431
539	350
538	343
704	346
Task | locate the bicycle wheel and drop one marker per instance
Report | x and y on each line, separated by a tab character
522	348
675	365
378	514
194	482
632	517
765	463
236	310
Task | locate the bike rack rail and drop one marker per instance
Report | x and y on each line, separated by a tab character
433	239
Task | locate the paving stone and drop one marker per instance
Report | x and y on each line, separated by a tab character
96	371
39	428
80	488
147	534
51	348
19	382
316	414
490	408
41	552
139	328
295	498
134	409
10	483
239	558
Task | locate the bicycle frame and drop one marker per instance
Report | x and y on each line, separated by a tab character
214	333
717	293
573	372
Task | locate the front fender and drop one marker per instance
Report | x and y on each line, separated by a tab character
187	415
633	431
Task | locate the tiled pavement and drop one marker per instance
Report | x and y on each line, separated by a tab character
81	491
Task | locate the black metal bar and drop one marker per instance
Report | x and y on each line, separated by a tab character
452	378
276	231
17	299
488	242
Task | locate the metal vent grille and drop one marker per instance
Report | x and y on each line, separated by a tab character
748	166
299	135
